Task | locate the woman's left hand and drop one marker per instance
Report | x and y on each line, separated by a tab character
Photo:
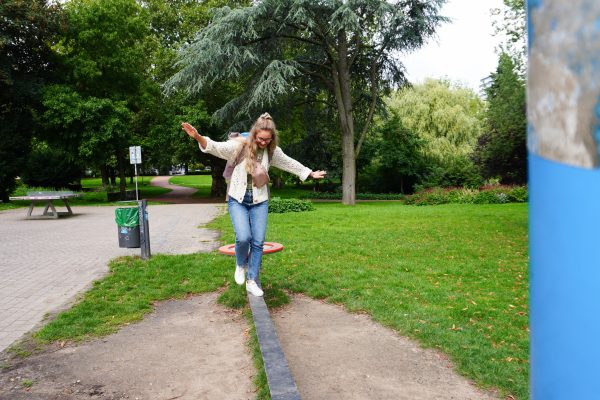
318	174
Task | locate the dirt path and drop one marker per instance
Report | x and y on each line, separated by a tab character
337	355
179	194
188	349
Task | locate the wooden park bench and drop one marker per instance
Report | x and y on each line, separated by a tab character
47	197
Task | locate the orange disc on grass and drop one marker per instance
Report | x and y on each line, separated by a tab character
268	247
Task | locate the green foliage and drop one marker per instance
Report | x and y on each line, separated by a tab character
274	43
103	46
50	168
484	195
457	171
502	150
315	142
158	120
26	31
104	58
449	118
27	383
260	379
446	120
399	162
278	205
89	127
511	25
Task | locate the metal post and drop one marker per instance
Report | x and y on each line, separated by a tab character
564	193
136	182
144	229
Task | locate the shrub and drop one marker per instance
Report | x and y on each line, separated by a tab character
484	195
278	205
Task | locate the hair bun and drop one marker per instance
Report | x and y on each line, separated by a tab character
266	116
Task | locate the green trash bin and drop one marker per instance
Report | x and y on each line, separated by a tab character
128	221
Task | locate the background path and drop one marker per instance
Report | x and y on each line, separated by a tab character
44	264
179	194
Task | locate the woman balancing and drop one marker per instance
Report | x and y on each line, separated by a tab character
247	191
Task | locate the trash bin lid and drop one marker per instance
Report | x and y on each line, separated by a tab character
127	216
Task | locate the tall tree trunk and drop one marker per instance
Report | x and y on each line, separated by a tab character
113	176
104	175
277	182
219	186
341	80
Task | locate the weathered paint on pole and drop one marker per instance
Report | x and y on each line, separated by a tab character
563	142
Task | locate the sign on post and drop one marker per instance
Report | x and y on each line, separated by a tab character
135	154
135	158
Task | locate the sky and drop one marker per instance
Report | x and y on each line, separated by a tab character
463	50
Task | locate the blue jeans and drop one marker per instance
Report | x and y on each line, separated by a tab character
250	226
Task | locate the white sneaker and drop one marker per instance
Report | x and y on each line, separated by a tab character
240	275
253	288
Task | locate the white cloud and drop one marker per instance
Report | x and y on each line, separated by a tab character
464	48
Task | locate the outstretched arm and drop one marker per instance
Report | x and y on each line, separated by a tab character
282	161
227	150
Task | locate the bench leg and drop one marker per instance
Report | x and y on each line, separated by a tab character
54	213
69	212
30	209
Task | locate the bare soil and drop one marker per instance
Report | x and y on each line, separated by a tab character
334	354
197	349
186	349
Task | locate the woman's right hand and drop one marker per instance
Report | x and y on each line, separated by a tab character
193	133
190	130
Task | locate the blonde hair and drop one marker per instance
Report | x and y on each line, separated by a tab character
263	123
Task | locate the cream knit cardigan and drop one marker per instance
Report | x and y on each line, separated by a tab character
237	186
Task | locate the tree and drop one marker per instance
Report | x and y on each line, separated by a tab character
502	150
348	49
400	163
87	127
49	168
512	25
27	29
104	55
158	121
449	119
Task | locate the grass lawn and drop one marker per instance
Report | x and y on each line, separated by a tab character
453	277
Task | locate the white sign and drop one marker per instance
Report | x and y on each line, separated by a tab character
135	154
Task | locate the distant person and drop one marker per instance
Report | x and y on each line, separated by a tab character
248	190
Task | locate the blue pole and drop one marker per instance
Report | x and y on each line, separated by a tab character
564	186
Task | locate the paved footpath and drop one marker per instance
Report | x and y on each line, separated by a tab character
44	264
